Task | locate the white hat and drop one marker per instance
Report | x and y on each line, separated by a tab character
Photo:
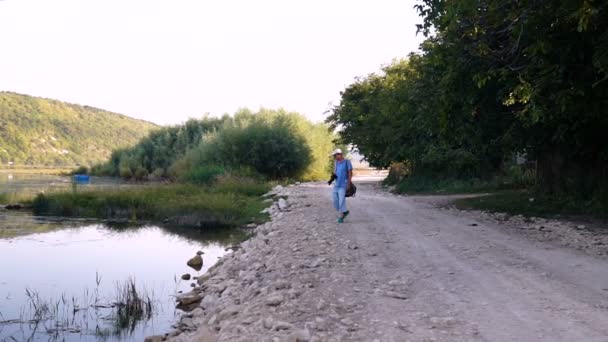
336	151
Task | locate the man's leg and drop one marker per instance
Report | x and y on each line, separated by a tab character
342	202
342	194
336	198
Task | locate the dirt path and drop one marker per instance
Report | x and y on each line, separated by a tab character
398	270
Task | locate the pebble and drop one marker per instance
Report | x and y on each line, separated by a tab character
274	300
280	325
268	323
228	312
282	204
396	295
300	335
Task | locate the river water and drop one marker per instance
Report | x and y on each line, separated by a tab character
59	277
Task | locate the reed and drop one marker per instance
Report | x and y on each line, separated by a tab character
229	201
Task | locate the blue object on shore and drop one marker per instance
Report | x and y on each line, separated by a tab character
82	179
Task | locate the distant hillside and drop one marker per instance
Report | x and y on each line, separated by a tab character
38	131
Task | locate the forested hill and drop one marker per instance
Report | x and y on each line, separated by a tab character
38	131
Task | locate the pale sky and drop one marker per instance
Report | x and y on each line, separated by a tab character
166	61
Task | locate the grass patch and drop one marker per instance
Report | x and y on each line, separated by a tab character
227	202
531	204
36	170
131	306
13	197
511	178
419	185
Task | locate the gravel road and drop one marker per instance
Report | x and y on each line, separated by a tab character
398	270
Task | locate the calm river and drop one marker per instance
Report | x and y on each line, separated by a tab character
59	278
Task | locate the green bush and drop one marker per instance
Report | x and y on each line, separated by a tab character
140	173
518	177
205	174
157	152
441	162
397	172
270	147
270	143
81	170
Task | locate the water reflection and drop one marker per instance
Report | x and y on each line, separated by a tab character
66	261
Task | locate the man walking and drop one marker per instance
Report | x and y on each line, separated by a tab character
343	169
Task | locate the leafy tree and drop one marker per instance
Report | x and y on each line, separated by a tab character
493	79
549	62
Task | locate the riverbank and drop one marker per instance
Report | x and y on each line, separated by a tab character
229	201
37	170
400	269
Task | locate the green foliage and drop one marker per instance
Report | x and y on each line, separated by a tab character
270	143
204	174
397	172
81	170
43	132
494	79
240	184
226	204
267	143
155	154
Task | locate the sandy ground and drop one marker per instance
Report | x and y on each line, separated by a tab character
399	269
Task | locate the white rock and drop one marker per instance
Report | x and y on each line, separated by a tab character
188	298
282	284
274	300
300	335
280	325
268	323
282	204
208	302
228	312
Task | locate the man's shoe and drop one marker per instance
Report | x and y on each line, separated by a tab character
344	214
341	220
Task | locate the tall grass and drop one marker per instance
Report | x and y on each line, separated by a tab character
229	201
13	197
128	306
131	306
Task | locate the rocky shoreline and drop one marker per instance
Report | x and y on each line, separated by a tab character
240	293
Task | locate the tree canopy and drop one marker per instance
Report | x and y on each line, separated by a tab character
494	79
